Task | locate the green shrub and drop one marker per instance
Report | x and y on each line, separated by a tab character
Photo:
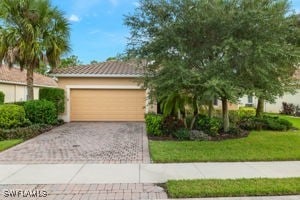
275	123
20	103
234	116
217	113
211	126
181	134
55	95
154	124
12	116
24	132
234	130
2	95
250	123
265	123
246	112
41	112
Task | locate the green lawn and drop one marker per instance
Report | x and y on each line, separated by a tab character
229	187
258	146
9	143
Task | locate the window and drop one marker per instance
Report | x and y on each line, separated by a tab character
250	99
215	101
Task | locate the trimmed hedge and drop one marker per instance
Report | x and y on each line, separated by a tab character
55	95
2	95
12	116
265	123
154	124
41	112
246	112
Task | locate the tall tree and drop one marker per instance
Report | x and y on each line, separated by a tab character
31	32
69	61
233	47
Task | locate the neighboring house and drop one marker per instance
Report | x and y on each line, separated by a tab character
106	91
13	84
277	106
272	107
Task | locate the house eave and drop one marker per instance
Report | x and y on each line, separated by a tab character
96	75
24	84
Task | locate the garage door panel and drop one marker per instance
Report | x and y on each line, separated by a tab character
107	105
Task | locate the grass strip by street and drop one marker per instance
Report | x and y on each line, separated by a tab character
9	143
233	187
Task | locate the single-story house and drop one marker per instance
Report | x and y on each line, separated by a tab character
106	91
13	83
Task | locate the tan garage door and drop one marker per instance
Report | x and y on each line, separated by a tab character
107	105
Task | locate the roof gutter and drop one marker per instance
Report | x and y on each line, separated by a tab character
96	75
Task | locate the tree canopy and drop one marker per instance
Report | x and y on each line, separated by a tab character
223	48
69	61
32	32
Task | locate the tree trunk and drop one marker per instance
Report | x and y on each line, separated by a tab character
29	83
210	109
183	115
260	107
196	112
225	115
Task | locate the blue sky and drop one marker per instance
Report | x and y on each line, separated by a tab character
97	29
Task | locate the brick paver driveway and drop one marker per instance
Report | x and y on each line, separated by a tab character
95	142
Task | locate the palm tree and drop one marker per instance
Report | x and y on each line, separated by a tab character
32	32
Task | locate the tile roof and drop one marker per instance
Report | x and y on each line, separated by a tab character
16	76
107	69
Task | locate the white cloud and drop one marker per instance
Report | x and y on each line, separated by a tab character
74	18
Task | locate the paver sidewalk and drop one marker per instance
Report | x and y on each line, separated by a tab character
294	197
141	173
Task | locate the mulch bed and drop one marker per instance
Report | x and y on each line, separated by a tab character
220	137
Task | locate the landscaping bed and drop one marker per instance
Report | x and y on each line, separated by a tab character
26	133
21	121
280	142
233	187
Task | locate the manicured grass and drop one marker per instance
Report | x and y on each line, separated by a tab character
9	143
258	146
230	187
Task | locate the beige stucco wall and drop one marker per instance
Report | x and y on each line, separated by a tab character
231	106
67	82
16	93
63	82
